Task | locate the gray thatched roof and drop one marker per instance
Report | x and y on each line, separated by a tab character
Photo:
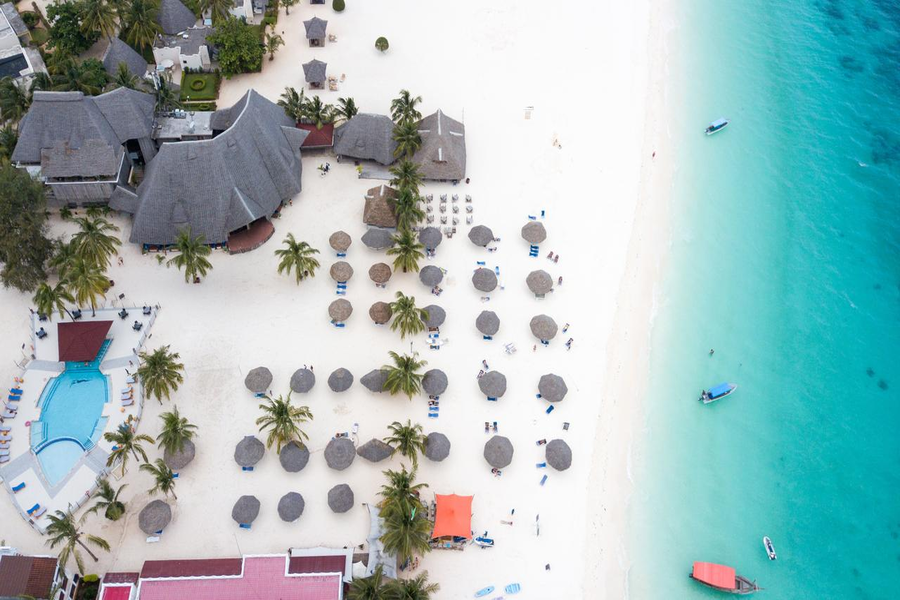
188	41
559	455
484	280
431	275
375	450
533	232
436	315
340	241
374	380
15	19
434	382
498	451
431	237
315	28
120	52
302	380
314	71
293	457
437	446
481	235
380	209
340	310
377	239
552	388
339	453
340	498
258	380
340	380
442	155
245	510
174	17
249	451
539	282
291	506
380	312
154	517
180	458
380	272
544	327
366	137
492	384
488	322
341	271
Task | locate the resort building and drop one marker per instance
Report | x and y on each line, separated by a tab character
442	156
315	73
119	52
182	126
174	17
188	49
317	138
381	207
84	147
17	59
315	31
34	577
366	137
246	9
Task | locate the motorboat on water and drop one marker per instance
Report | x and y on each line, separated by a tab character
722	578
717	392
716	126
770	549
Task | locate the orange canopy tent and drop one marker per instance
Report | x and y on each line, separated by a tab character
453	517
715	575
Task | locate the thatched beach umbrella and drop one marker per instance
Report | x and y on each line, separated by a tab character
488	323
339	453
430	237
534	232
498	451
375	450
539	282
380	272
290	507
180	458
434	382
258	380
543	327
340	380
431	275
245	510
293	457
436	316
340	498
484	280
377	239
154	517
552	388
374	380
340	310
249	451
340	241
481	235
341	271
559	455
492	384
302	380
437	446
380	312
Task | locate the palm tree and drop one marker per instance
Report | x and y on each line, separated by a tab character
403	108
406	532
400	487
297	256
192	253
99	16
15	99
125	78
317	112
403	375
166	96
416	588
107	500
64	530
63	253
163	477
283	420
160	373
292	102
93	242
8	140
346	109
86	282
52	299
176	430
408	318
41	81
409	213
127	443
218	9
141	27
408	440
70	75
407	251
406	134
368	588
273	43
406	176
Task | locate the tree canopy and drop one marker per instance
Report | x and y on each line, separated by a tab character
24	246
66	32
240	50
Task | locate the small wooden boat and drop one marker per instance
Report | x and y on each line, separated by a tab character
722	578
770	549
716	126
717	392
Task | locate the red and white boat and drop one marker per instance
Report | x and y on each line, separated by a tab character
722	578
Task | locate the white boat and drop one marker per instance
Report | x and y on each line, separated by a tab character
717	392
770	549
716	126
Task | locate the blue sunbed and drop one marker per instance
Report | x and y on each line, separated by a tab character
550	409
33	508
19	487
543	480
542	465
244	525
246	468
491	399
487	337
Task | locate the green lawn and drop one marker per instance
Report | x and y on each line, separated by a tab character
198	87
40	35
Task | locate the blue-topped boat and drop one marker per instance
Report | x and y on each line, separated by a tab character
716	126
717	392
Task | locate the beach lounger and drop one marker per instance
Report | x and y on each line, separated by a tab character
340	325
259	395
9	414
5	437
127	401
130	379
487	337
543	480
515	588
244	525
342	285
480	263
550	409
542	465
532	217
246	468
127	390
15	391
341	292
4	452
490	399
4	445
433	415
342	255
4	459
4	428
33	509
39	512
152	539
14	398
18	487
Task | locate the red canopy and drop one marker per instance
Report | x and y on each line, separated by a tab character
80	341
454	516
715	575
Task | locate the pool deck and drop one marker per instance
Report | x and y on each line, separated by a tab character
75	488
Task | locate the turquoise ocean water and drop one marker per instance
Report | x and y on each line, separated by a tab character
786	261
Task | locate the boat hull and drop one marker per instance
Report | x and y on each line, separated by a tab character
743	586
707	399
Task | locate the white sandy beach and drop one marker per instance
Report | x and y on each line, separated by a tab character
586	70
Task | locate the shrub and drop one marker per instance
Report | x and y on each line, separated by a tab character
198	84
31	19
382	43
338	5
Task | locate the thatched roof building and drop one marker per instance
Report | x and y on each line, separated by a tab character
366	137
442	156
380	209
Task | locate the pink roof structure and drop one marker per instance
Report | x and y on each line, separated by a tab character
117	592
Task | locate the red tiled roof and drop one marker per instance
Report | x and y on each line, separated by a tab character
121	577
191	568
316	564
117	592
80	341
26	575
317	138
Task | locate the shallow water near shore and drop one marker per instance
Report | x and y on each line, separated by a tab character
785	259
